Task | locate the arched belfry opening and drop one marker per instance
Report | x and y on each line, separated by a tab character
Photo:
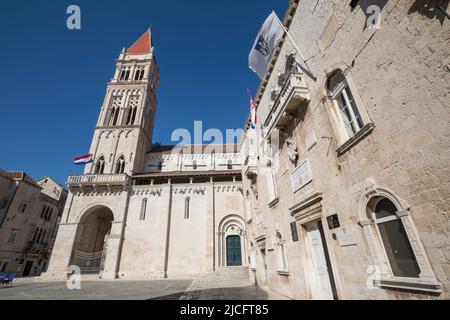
90	246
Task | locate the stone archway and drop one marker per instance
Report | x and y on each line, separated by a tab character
90	245
232	242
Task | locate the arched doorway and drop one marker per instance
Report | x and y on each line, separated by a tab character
232	250
90	247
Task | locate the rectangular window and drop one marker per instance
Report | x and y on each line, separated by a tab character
143	209
12	237
5	204
23	207
349	112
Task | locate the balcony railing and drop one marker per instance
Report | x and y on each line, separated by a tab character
291	97
98	179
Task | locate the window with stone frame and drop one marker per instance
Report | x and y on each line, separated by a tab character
100	165
4	204
132	110
114	110
349	118
396	244
120	165
23	206
399	258
13	236
341	94
125	74
143	209
187	208
139	74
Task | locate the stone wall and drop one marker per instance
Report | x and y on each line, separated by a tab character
399	76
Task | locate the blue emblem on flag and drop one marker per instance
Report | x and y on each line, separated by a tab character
262	46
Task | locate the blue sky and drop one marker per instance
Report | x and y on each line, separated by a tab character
53	79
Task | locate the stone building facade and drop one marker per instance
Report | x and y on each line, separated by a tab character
143	210
29	215
347	180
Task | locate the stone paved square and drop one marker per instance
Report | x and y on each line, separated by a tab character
201	289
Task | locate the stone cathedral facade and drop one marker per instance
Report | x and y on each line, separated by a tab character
143	210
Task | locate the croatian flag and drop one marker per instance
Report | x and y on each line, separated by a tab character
254	115
89	158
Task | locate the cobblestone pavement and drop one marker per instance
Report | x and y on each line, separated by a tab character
204	289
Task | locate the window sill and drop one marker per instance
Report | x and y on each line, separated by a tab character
360	135
283	273
273	202
409	284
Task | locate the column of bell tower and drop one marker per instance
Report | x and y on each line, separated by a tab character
123	133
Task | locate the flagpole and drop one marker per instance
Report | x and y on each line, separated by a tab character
292	40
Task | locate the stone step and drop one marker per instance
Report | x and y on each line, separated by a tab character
231	273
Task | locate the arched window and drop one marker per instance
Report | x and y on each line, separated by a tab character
160	165
44	209
396	244
39	234
194	165
100	166
47	212
120	165
143	209
281	252
50	214
230	165
35	235
348	112
187	207
115	116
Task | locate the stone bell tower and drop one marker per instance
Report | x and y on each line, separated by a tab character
125	125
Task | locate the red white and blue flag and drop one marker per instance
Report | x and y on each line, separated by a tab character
253	113
88	158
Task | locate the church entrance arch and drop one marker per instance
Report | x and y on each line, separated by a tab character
90	247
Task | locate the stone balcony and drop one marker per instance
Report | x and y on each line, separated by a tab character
291	97
96	180
251	167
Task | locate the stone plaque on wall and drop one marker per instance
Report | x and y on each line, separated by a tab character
346	236
301	176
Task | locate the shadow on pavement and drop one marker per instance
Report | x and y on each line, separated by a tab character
227	293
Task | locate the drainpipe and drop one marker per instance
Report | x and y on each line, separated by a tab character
169	218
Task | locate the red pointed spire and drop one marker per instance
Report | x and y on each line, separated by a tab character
143	45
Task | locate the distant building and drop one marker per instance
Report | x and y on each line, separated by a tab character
30	212
355	201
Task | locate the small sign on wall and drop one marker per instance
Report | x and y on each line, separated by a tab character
333	222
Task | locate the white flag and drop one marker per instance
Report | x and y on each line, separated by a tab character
265	45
